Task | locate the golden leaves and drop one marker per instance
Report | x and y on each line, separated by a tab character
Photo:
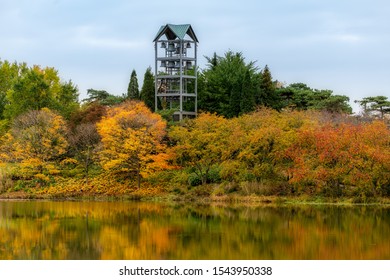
35	141
132	139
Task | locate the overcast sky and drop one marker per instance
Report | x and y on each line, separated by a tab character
342	45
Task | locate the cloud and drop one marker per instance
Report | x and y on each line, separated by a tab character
97	38
348	38
330	38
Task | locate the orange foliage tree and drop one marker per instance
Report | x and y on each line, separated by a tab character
266	134
132	140
338	160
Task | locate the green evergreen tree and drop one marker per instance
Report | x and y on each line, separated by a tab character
378	105
133	89
212	62
221	84
247	98
267	94
147	94
302	97
102	97
235	101
337	104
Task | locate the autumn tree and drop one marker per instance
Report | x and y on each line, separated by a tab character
247	148
84	140
343	159
201	143
83	136
36	141
132	137
87	113
260	138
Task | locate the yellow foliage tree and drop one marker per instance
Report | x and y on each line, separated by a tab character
203	142
132	140
246	148
36	140
266	135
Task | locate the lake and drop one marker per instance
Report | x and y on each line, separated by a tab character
62	230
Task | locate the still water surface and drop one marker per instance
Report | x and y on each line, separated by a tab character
47	230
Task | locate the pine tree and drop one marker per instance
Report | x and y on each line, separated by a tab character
223	83
380	105
267	94
147	91
133	89
235	100
247	98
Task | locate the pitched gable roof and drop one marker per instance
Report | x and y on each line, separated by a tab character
173	31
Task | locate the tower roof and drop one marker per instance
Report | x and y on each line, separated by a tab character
173	31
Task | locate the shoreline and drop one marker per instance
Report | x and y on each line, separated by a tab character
225	200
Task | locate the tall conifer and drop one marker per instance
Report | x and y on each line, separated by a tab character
147	91
133	89
247	98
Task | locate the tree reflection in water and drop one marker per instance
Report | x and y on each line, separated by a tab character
49	230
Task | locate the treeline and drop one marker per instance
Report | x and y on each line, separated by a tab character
263	153
290	140
230	86
286	153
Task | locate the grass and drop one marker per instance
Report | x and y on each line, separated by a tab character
225	199
105	187
5	180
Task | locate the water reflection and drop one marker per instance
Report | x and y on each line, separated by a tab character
128	230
